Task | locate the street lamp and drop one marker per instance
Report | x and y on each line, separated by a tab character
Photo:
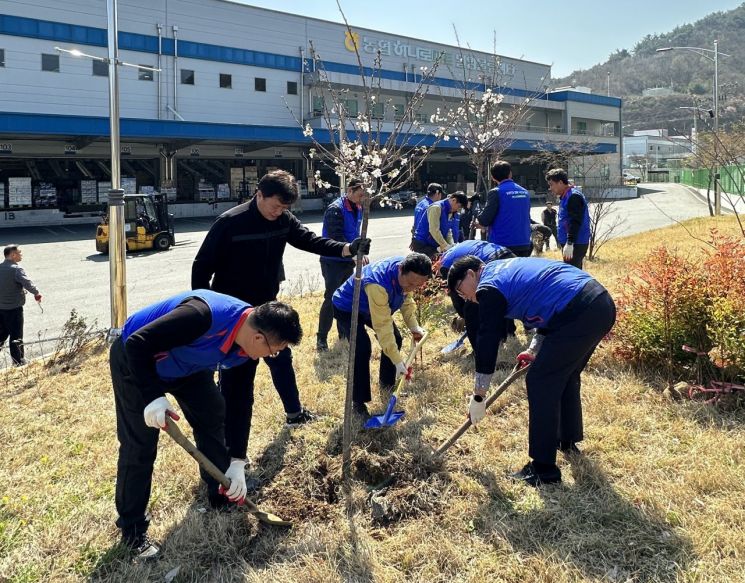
703	52
117	245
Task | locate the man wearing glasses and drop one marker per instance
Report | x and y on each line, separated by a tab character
175	346
242	257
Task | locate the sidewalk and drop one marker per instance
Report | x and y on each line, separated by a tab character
731	203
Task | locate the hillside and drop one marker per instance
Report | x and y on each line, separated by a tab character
687	74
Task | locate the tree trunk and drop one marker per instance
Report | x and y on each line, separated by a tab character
347	425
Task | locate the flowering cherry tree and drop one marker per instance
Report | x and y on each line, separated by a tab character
379	145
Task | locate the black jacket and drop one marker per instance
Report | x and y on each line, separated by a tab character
242	253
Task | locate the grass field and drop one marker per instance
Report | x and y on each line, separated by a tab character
658	496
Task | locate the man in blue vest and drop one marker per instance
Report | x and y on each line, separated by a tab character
175	346
507	212
469	313
439	228
342	221
435	193
573	233
571	312
387	286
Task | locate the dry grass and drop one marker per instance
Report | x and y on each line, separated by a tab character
659	495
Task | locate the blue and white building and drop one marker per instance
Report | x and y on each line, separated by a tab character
234	80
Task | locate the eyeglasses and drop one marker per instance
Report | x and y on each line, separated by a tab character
272	353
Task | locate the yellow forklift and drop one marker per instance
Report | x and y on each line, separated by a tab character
147	224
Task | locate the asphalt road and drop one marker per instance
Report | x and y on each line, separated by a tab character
63	263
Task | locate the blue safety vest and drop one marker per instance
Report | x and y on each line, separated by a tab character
511	226
421	209
583	236
383	273
535	289
482	249
447	223
352	224
214	349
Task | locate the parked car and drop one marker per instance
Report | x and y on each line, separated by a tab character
407	198
629	177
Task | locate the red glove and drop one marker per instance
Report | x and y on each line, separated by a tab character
525	358
37	297
409	373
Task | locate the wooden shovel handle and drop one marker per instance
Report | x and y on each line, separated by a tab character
514	375
174	431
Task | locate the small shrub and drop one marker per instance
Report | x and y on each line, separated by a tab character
672	301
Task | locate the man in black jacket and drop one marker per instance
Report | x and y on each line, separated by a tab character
548	218
242	256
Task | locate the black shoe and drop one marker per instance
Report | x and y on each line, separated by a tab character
321	344
301	418
142	547
360	409
534	477
569	448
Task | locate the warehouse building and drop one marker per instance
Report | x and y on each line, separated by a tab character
234	86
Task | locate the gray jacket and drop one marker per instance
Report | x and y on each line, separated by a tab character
13	280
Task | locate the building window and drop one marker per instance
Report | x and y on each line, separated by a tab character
318	105
187	77
292	88
100	69
50	63
350	106
2	57
144	74
377	111
226	81
399	109
259	84
582	128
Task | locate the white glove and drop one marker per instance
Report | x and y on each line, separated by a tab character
237	475
401	369
476	408
568	251
418	332
156	412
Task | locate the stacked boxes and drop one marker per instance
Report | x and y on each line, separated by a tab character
206	191
19	191
129	185
88	192
103	191
170	193
46	195
223	191
2	194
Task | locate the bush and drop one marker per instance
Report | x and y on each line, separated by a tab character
672	301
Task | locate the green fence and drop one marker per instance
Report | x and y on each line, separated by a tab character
731	178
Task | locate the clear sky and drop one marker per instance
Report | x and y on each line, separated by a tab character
568	34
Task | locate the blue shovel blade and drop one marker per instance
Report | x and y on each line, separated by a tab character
454	345
390	417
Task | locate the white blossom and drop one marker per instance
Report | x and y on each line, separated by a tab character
308	131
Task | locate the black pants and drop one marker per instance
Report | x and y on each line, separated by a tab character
418	247
11	329
554	379
578	256
204	409
522	250
237	387
363	350
553	232
334	274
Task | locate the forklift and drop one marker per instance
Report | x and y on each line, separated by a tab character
147	224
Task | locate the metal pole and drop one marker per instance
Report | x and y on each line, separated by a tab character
175	70
117	247
717	193
160	52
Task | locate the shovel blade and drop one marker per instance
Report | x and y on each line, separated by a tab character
381	421
270	519
453	346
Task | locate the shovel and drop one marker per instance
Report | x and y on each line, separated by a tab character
453	346
391	417
514	375
173	430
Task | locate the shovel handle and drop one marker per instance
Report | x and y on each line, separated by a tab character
174	431
514	375
410	359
